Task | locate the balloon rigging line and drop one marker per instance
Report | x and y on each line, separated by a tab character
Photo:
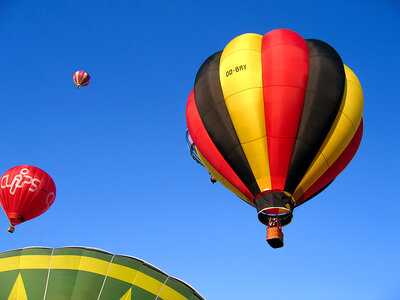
162	287
105	277
48	275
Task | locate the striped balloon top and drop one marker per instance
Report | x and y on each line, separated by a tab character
81	78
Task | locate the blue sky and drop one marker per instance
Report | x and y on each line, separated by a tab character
116	149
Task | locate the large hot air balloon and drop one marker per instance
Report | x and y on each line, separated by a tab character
81	78
275	119
26	192
85	273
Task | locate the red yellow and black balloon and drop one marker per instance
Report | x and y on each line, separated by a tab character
275	119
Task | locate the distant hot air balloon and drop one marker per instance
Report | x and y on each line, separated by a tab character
192	148
81	78
26	192
193	153
275	119
85	273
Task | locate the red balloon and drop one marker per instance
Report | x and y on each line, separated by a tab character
25	193
81	78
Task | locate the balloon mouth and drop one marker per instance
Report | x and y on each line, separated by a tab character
284	218
275	204
15	218
275	211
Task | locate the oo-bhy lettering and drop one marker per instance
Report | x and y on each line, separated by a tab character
235	70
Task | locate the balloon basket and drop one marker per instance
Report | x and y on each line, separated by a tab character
11	229
275	236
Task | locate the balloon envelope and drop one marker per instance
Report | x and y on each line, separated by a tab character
85	273
25	193
81	78
275	119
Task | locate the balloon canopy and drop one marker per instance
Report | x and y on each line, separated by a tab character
275	119
25	193
81	78
85	273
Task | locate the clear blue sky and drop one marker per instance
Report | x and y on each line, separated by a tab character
116	149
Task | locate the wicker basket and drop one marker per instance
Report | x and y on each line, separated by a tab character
275	237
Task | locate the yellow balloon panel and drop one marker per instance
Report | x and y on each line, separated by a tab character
340	134
258	161
247	41
122	273
355	108
246	110
18	291
25	262
241	83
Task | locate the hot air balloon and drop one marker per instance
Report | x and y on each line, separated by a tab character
275	119
26	192
194	155
192	148
81	78
85	273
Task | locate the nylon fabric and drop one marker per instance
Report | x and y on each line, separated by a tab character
340	134
285	66
83	274
275	119
241	83
26	192
214	115
336	168
325	87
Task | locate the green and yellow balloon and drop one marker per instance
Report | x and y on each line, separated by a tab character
85	273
